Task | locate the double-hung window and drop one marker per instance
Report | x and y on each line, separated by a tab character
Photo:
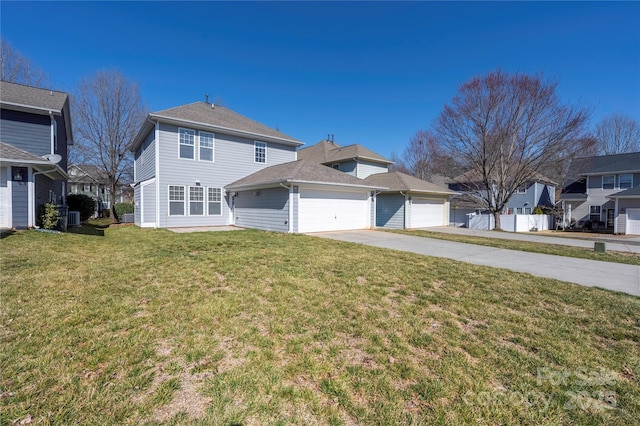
214	199
260	152
176	200
187	143
608	182
206	146
626	181
594	213
196	201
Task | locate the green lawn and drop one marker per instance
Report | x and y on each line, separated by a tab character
131	326
532	247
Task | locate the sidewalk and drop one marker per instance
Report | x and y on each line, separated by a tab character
591	273
629	244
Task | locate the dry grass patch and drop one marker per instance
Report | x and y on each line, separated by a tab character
150	327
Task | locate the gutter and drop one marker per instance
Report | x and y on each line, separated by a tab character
281	182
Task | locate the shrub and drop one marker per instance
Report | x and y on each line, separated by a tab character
83	204
538	210
49	216
123	208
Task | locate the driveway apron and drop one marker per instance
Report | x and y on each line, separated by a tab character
591	273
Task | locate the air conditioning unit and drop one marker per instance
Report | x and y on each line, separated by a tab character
73	219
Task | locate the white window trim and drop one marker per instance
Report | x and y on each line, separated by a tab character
255	147
195	144
203	201
209	201
524	191
169	201
620	180
614	181
213	146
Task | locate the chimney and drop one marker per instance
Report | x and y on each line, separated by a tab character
206	98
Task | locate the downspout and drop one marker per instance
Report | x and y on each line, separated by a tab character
405	208
290	221
53	151
615	218
157	172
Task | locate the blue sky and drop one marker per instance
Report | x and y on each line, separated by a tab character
368	72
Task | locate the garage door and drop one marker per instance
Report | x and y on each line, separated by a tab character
426	212
322	210
633	221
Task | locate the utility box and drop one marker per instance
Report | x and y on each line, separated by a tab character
599	247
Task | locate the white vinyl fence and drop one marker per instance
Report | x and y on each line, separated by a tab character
511	222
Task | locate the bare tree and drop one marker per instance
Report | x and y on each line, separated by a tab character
507	129
108	112
17	68
618	134
425	158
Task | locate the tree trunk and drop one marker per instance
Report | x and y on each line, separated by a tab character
112	204
496	219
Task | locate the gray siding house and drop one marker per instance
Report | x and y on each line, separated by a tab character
604	192
35	131
355	160
186	156
539	191
302	196
409	202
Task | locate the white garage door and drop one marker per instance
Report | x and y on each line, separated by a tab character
321	210
633	221
426	212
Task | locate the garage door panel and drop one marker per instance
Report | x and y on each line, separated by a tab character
426	212
332	211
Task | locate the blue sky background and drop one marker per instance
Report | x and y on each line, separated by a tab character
370	73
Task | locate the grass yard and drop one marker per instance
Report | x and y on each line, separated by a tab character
131	326
529	246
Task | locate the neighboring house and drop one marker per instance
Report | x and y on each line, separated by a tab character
92	181
355	160
186	156
604	192
409	202
35	130
539	191
303	196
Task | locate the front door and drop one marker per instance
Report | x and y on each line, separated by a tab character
610	217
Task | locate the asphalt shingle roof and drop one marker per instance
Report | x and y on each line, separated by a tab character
300	171
606	164
18	94
10	152
398	181
627	193
219	116
325	152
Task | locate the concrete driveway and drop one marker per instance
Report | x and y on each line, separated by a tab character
610	276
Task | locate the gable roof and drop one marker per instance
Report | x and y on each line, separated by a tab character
398	181
603	164
627	193
325	152
87	172
17	156
35	100
11	154
296	172
19	95
215	118
473	176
